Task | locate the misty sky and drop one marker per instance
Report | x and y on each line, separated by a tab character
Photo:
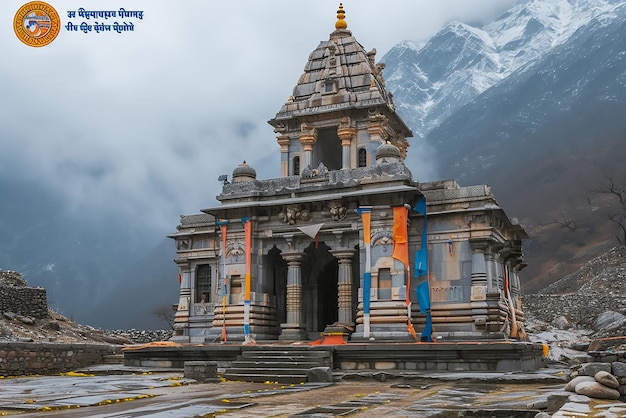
145	121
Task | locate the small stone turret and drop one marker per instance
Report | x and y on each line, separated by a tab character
244	172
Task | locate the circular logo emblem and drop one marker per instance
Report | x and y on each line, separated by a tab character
36	23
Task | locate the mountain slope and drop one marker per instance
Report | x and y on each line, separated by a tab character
546	136
432	81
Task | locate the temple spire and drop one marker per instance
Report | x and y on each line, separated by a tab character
341	15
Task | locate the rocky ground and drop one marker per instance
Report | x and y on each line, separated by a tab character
59	329
588	306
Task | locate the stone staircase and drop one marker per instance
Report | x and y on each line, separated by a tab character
113	358
277	364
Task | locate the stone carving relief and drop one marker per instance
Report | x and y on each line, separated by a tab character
235	249
182	244
337	210
308	129
384	238
320	171
202	308
292	213
345	123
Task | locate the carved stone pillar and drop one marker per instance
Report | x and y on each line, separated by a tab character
181	318
344	286
479	270
493	287
346	134
308	138
294	328
283	141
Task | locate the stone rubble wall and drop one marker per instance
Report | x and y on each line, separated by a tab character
141	336
17	297
19	359
27	301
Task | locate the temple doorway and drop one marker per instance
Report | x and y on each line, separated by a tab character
319	276
276	279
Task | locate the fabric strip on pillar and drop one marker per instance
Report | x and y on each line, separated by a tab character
247	227
224	226
422	273
401	253
507	290
366	215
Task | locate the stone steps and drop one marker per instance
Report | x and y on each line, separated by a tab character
113	359
277	365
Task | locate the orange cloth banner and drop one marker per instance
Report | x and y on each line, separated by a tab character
400	236
247	227
366	216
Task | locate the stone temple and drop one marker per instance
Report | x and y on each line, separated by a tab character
346	243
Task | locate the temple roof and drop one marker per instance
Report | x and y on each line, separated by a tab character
340	74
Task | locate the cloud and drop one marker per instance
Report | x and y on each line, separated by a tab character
145	121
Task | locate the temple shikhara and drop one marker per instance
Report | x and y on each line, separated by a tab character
346	243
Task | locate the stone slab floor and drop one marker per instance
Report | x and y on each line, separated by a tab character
168	394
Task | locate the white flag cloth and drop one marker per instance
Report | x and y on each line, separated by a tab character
311	230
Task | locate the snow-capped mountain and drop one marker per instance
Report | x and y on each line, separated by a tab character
430	81
532	104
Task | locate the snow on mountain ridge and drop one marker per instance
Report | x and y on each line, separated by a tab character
461	62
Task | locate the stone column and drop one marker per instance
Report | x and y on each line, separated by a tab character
181	318
479	270
344	286
283	141
378	131
294	328
346	135
308	138
492	271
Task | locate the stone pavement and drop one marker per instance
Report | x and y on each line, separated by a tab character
165	393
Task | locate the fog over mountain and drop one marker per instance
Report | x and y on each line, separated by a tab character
530	102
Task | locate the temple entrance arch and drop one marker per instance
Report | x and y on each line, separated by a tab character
319	274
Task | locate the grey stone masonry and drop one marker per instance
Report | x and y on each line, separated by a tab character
26	301
19	359
202	371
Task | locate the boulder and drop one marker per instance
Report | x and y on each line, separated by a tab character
607	379
319	375
9	315
571	385
596	390
27	320
608	320
562	323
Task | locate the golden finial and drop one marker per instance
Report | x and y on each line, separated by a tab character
341	15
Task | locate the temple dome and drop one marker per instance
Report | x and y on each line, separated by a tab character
388	153
243	172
